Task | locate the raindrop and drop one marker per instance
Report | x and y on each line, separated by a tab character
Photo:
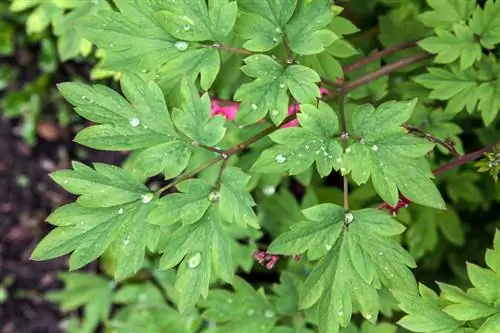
111	45
187	27
339	160
275	113
195	260
307	146
181	45
328	247
362	141
254	106
380	253
348	218
126	241
134	121
340	313
275	40
214	196
374	147
144	70
146	198
280	158
120	211
278	30
268	190
282	85
84	97
250	312
348	150
269	314
66	181
368	316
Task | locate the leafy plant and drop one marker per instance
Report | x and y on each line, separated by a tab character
315	141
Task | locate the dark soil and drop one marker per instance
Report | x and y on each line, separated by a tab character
27	196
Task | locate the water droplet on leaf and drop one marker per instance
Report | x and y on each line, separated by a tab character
348	150
328	247
282	85
146	198
362	141
214	196
340	313
181	45
268	314
66	181
275	113
120	211
187	27
268	190
251	312
374	147
126	241
339	160
254	106
280	158
134	121
348	218
195	260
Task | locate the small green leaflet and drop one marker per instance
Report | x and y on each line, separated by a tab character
450	46
132	38
307	30
191	20
358	257
262	22
143	122
393	158
91	292
424	313
110	214
268	92
445	13
468	88
201	246
195	120
486	24
422	236
242	311
299	147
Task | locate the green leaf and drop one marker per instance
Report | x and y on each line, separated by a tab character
195	120
307	30
485	23
457	87
299	147
445	13
109	214
449	46
132	38
242	311
193	21
358	257
268	92
188	205
424	313
422	236
492	256
93	293
393	158
465	307
200	246
491	325
141	122
235	203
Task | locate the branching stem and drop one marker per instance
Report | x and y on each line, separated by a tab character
432	138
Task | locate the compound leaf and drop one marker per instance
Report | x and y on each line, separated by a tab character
445	13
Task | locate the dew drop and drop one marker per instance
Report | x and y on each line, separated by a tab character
339	160
134	121
254	106
282	85
278	30
348	218
328	247
374	147
307	146
275	40
146	198
230	300
120	211
84	97
126	241
362	141
268	190
380	253
181	45
348	150
340	313
111	45
214	196
187	27
275	113
280	158
368	316
268	314
144	70
250	312
195	260
66	181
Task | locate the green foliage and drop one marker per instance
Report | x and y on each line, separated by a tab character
291	171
